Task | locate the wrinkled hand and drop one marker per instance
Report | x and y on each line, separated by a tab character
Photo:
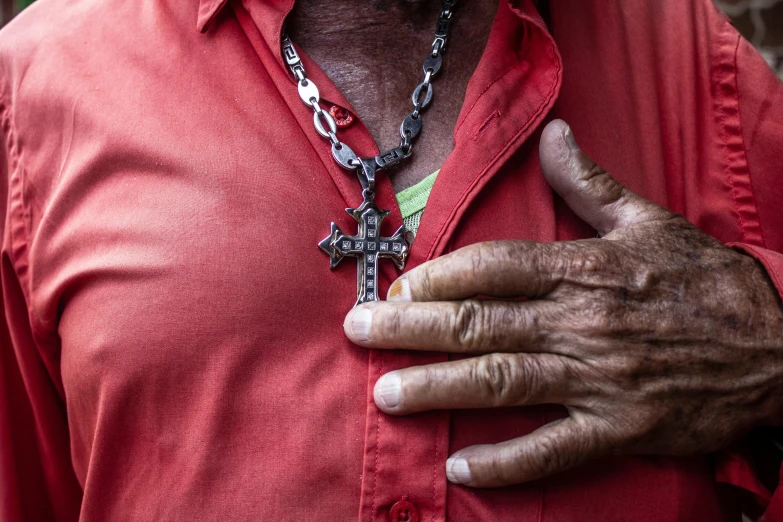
657	338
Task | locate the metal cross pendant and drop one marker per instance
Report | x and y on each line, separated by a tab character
367	247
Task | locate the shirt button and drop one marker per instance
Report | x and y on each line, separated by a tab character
404	511
342	117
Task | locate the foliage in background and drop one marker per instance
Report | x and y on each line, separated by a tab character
761	22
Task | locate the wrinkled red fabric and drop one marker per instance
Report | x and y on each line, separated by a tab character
172	344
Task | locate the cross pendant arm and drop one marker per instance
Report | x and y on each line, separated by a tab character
367	246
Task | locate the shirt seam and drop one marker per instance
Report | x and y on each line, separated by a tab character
741	137
18	214
377	445
735	162
435	454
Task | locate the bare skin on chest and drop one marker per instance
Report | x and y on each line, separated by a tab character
373	51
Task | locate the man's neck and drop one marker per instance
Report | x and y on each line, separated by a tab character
373	51
329	16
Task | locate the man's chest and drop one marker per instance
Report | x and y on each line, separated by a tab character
196	204
179	261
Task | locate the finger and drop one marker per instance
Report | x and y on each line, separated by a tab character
590	191
495	268
550	449
480	382
458	327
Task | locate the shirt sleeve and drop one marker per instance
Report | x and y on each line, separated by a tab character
37	481
772	261
733	465
760	96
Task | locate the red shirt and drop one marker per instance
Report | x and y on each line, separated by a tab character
173	345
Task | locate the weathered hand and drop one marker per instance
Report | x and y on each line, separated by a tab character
657	338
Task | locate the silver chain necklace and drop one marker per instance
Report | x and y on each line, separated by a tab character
368	246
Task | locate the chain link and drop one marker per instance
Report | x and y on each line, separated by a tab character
322	121
409	129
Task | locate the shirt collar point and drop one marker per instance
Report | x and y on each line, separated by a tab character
207	11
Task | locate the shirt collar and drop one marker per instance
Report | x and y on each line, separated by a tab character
277	10
207	11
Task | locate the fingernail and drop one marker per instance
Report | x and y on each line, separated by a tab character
400	290
361	320
388	390
570	140
458	471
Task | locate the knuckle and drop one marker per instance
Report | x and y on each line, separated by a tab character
496	375
480	326
605	188
584	263
470	325
589	258
593	172
646	277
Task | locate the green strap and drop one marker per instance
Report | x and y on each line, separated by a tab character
413	199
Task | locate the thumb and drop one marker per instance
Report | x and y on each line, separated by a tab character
593	194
